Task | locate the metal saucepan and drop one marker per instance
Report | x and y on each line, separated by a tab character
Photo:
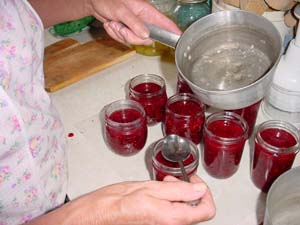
227	58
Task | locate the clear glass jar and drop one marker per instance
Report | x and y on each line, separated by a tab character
182	86
249	113
156	49
224	138
185	116
163	167
125	130
188	11
150	91
276	145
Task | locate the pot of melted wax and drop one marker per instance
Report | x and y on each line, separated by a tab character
227	58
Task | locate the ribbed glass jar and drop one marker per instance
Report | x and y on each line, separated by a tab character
224	138
276	146
125	130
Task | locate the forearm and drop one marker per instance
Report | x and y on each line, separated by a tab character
76	212
58	11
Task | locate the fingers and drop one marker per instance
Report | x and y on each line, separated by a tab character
121	33
175	190
205	210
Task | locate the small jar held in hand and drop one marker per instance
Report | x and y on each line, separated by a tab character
163	167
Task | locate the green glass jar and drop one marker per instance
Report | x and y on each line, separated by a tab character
188	11
156	49
71	27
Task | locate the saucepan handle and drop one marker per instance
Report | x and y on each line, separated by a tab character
163	36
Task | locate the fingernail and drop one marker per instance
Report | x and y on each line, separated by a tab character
201	188
145	34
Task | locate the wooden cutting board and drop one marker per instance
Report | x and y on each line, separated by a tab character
68	61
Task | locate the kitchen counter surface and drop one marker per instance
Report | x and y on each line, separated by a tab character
92	165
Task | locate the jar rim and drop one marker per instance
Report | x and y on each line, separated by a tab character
226	116
153	78
127	104
282	125
192	1
184	97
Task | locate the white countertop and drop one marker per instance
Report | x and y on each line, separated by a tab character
92	165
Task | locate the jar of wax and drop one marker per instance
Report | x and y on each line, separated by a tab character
163	167
224	138
185	116
125	130
150	91
188	11
156	49
276	145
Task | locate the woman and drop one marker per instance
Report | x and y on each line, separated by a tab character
32	141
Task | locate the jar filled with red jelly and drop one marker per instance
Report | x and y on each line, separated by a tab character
224	138
182	86
163	167
249	113
125	127
185	116
150	91
276	145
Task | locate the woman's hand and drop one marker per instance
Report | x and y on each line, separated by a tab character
142	203
124	20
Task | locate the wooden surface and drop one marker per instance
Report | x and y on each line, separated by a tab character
68	61
256	6
281	4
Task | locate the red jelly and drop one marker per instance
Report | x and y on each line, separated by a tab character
163	167
185	117
224	138
182	86
249	113
125	127
150	91
276	145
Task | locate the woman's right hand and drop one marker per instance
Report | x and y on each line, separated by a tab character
143	203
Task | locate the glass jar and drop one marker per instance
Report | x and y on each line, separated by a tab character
249	113
163	167
276	145
188	11
185	116
156	49
182	86
150	91
125	130
224	138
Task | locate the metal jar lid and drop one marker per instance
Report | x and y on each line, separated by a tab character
192	1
